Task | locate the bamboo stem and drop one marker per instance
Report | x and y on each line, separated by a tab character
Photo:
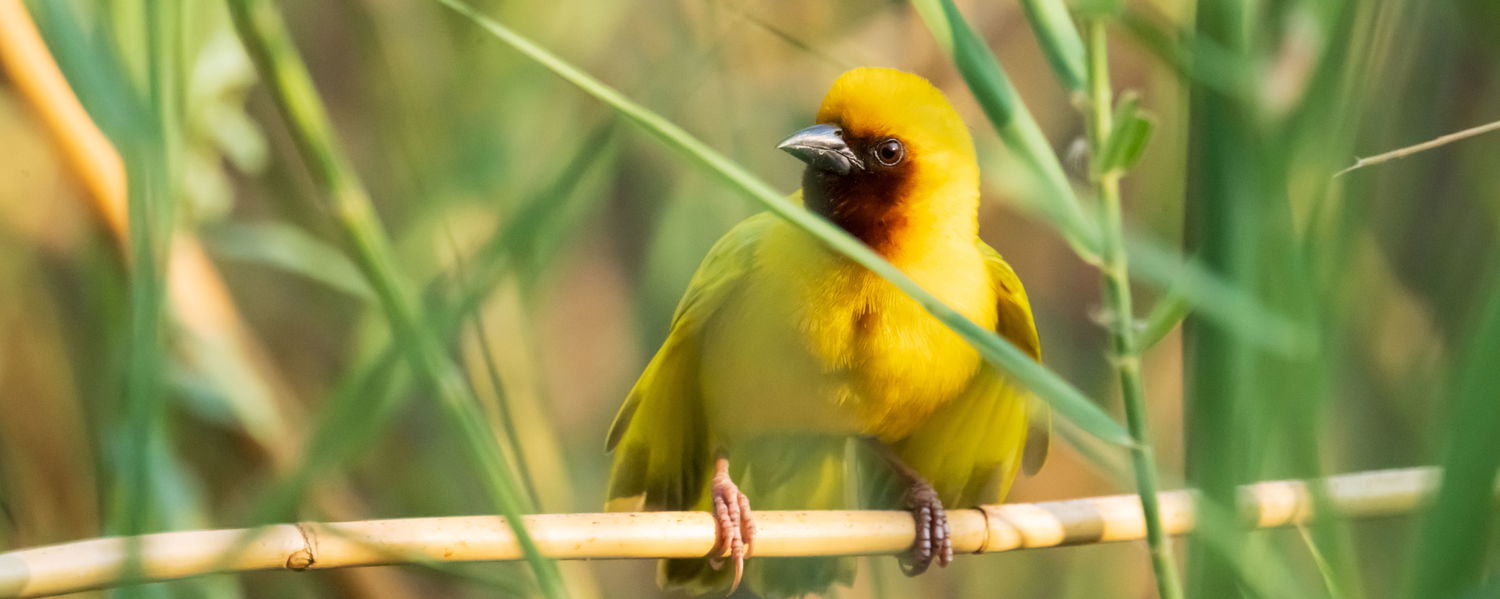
97	563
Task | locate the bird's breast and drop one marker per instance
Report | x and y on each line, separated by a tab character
816	343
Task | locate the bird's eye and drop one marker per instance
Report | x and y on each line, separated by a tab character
889	152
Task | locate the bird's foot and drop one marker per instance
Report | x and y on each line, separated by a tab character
735	536
934	543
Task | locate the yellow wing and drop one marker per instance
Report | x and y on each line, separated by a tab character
1016	324
659	438
973	446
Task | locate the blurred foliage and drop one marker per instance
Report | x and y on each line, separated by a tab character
547	247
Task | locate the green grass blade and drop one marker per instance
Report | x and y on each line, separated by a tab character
136	507
264	34
1164	316
289	248
1193	58
1214	298
1063	397
1059	39
501	402
1451	552
151	199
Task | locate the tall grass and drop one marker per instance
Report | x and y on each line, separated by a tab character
265	37
1223	178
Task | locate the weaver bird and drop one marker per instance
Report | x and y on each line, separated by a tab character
783	350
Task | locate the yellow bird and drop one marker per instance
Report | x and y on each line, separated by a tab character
782	351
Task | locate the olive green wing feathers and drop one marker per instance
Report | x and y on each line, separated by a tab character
1014	322
659	439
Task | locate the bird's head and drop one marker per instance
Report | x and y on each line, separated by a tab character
888	157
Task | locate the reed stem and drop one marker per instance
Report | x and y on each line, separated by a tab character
1122	335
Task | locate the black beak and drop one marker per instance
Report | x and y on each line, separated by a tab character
822	147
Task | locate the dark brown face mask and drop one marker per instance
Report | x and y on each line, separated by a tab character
857	181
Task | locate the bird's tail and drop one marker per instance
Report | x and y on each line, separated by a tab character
778	474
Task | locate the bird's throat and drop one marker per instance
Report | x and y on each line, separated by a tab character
873	207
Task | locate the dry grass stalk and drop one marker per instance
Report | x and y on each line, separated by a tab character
1421	147
86	150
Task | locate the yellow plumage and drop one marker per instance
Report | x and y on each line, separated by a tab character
781	349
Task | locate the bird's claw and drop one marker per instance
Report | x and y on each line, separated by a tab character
933	543
735	535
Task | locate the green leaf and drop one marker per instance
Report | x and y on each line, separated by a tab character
289	248
1127	141
1164	316
1215	298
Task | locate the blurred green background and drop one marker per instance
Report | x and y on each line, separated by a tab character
577	234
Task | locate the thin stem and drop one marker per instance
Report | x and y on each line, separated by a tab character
1121	329
1421	147
502	412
